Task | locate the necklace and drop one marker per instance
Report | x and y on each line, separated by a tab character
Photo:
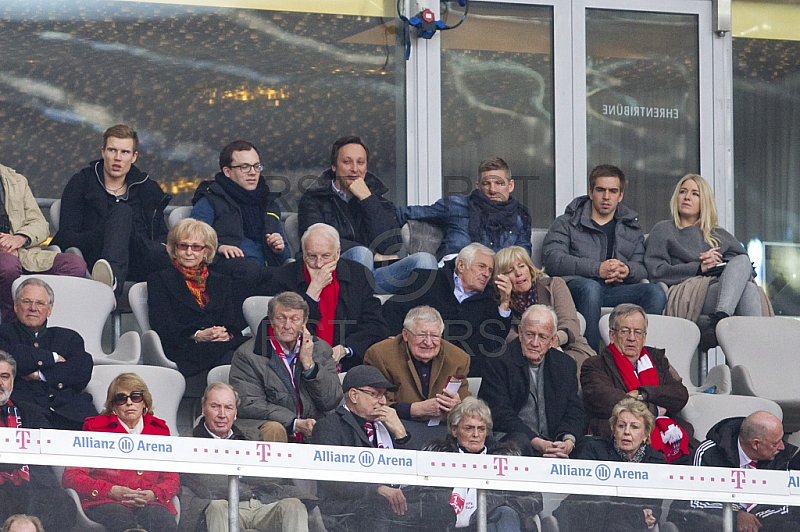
115	190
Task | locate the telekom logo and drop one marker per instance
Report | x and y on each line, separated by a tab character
501	464
23	438
738	477
262	449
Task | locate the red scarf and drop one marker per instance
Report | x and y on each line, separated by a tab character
195	281
666	428
298	436
10	418
328	299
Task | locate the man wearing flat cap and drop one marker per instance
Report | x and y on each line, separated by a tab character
365	420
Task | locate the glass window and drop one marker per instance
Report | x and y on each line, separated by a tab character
497	100
766	164
191	79
642	103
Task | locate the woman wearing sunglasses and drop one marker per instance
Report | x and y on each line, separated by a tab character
192	308
119	499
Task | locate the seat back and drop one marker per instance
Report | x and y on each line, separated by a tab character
55	215
704	410
178	214
537	239
474	385
419	236
765	346
166	386
291	228
137	297
255	310
219	374
678	336
82	305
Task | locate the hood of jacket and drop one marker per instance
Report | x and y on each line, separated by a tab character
322	186
579	212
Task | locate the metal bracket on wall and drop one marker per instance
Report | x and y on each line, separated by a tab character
722	16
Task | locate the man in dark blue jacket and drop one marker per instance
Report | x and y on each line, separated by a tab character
54	368
488	215
242	209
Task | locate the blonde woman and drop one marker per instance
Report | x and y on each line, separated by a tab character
514	271
691	246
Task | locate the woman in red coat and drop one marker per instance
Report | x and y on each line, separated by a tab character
121	499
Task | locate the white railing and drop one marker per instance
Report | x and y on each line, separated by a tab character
293	461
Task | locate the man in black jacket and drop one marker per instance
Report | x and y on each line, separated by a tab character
532	389
343	309
350	199
463	294
365	420
114	214
264	504
32	490
54	368
754	442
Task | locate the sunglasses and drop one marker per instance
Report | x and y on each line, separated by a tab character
135	397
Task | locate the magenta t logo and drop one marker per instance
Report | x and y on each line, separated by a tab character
23	438
262	449
501	464
738	477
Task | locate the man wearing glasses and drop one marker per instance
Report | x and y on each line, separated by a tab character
286	377
53	367
626	367
242	209
343	309
366	420
114	213
422	366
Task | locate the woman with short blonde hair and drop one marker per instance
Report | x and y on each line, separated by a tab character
192	308
528	285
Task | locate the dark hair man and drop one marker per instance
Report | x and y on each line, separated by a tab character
114	213
597	246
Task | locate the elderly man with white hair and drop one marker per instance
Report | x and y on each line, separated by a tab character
343	309
532	389
430	373
462	293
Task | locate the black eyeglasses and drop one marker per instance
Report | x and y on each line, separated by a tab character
183	246
135	397
246	167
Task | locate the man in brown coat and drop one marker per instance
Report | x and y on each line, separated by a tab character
421	364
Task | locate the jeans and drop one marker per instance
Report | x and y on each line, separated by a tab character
390	279
502	519
734	292
589	295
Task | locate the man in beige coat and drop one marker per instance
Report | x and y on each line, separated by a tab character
22	228
420	364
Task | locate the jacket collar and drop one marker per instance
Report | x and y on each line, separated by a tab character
580	213
349	419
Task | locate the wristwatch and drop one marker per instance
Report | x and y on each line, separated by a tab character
640	397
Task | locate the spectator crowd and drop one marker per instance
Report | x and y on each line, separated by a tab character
332	363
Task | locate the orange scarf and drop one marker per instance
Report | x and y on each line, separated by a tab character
195	281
